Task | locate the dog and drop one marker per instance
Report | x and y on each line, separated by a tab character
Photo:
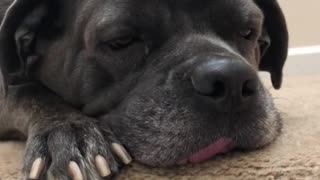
171	82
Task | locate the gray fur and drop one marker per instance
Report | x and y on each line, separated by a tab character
141	95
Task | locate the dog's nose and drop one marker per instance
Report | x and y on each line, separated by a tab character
225	81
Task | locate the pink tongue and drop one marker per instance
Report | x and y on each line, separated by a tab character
223	145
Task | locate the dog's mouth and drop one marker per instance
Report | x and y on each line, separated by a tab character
221	146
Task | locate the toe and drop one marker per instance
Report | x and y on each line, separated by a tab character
37	169
122	153
74	171
102	166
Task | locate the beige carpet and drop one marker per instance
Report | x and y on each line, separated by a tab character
295	155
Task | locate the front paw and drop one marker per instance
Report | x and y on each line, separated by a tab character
78	151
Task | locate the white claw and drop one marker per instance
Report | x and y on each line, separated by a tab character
102	166
75	171
36	169
121	153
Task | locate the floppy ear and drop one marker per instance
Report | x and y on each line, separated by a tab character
274	41
17	36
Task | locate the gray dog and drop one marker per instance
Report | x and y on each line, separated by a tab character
172	81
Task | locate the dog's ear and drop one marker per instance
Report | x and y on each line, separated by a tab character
17	37
273	41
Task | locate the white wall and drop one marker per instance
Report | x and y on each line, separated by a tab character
303	18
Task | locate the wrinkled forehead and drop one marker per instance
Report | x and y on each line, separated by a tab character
171	13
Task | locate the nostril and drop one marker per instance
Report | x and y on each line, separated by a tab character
249	88
219	89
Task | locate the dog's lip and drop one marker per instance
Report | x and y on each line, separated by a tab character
221	146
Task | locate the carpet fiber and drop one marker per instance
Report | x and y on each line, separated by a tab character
295	155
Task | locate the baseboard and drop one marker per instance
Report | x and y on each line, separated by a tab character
303	60
304	50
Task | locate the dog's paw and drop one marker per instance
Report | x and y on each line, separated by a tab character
78	151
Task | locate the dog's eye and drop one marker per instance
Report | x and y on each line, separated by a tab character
247	33
122	42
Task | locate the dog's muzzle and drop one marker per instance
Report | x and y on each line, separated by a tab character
223	85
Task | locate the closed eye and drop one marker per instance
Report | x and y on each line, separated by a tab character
122	42
248	33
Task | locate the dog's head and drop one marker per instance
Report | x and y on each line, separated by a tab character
175	79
